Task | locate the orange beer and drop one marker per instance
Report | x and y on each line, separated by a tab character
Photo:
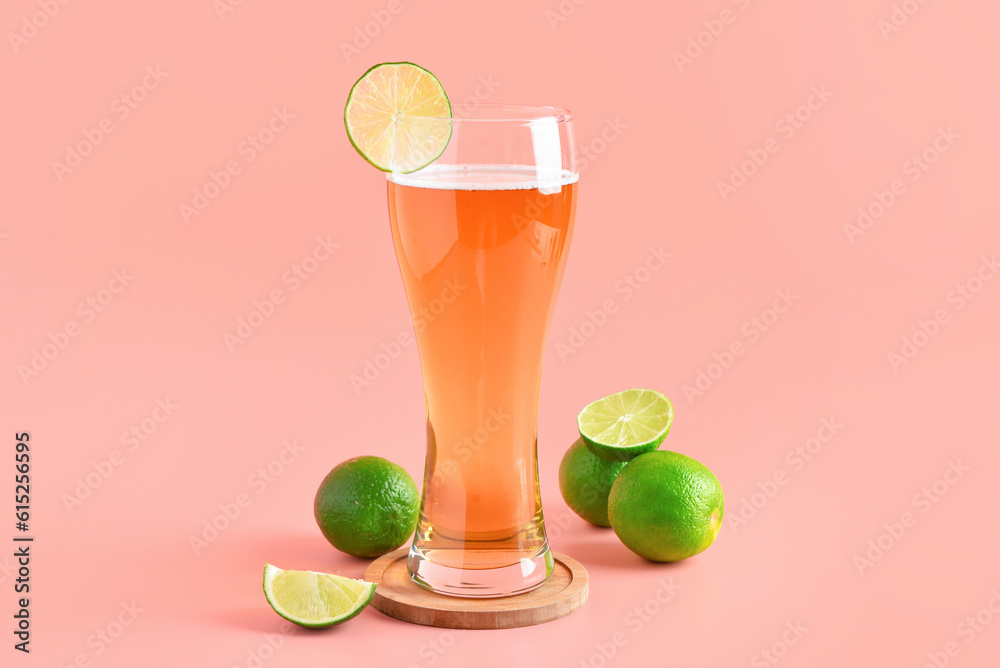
482	250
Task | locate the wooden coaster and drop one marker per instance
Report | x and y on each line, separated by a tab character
397	596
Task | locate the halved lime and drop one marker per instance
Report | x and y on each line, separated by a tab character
622	426
315	600
398	117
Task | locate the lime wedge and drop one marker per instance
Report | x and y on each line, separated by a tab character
622	426
398	117
316	600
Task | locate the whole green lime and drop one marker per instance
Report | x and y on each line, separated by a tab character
585	481
367	506
666	506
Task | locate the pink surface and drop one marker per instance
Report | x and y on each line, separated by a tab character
904	415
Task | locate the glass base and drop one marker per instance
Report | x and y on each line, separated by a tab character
432	570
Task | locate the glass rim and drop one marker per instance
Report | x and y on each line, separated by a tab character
503	113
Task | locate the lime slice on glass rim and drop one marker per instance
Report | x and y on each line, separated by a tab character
625	425
315	600
398	117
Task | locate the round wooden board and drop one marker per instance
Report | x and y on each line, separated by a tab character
397	596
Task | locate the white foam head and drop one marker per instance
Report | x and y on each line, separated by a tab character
487	177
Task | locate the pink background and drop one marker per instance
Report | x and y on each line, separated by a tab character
670	134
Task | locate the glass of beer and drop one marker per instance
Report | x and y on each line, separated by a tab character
481	236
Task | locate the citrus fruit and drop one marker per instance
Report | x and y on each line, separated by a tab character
367	506
316	600
627	424
585	481
398	117
666	506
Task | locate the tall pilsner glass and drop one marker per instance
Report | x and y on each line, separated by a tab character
481	236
